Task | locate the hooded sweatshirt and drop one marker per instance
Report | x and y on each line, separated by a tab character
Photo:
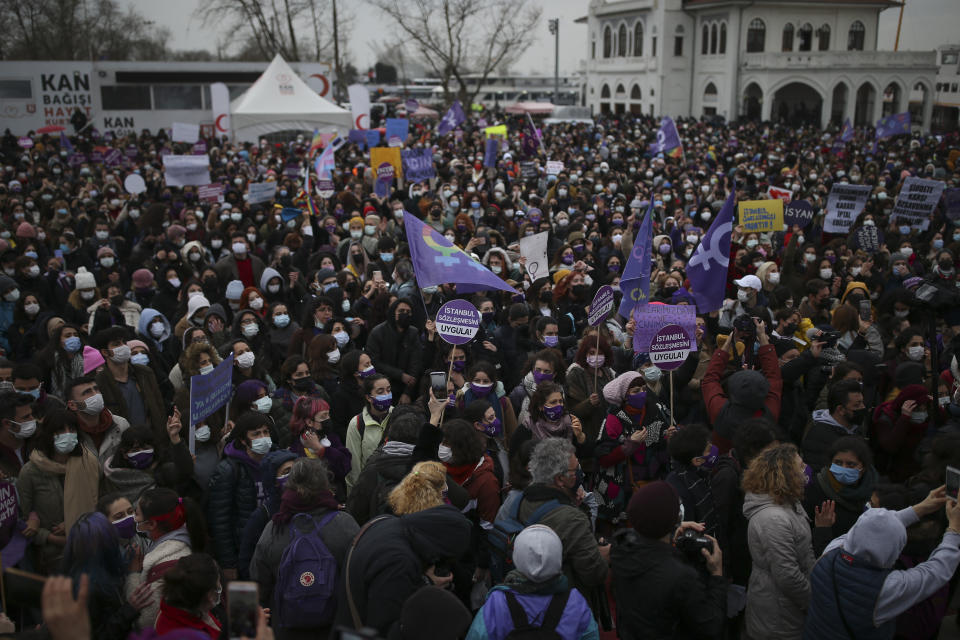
878	538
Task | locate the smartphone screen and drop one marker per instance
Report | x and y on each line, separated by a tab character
865	310
953	483
377	276
438	380
242	609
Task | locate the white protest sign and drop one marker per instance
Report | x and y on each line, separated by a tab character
261	192
185	132
554	167
844	204
916	201
134	184
182	171
534	249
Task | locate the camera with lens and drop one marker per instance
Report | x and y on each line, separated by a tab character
829	338
690	542
745	326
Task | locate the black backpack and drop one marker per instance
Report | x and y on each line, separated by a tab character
524	629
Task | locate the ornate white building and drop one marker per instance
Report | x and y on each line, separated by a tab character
812	60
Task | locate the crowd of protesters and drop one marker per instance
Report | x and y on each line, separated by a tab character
785	481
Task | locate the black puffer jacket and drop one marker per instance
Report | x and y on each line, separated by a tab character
231	499
686	603
390	557
382	473
395	352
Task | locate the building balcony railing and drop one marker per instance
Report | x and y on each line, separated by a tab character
840	60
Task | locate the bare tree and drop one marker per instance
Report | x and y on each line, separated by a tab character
459	38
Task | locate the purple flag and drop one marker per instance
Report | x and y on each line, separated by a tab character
635	281
707	268
373	137
893	125
411	105
846	134
65	142
531	140
358	137
667	137
490	153
452	119
436	260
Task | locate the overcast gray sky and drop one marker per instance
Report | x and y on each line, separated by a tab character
927	24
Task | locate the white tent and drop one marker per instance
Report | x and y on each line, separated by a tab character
279	101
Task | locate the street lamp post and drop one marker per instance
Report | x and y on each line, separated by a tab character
555	30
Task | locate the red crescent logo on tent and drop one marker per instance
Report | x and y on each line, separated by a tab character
326	84
362	115
217	124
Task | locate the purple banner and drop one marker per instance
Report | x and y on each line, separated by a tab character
397	131
384	179
458	321
670	347
113	157
490	153
651	318
797	212
951	203
601	306
76	159
417	165
200	148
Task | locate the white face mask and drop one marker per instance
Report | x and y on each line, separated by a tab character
773	278
915	353
445	453
206	369
826	274
263	404
246	359
93	405
256	304
202	434
333	357
743	296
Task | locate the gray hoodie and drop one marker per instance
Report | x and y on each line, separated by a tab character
878	537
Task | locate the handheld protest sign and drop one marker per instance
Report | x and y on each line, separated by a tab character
601	306
458	322
134	184
670	347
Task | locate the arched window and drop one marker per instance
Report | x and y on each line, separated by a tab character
756	36
713	39
678	41
605	91
710	93
787	38
805	36
638	39
823	38
621	91
855	36
607	42
622	41
636	93
723	38
705	40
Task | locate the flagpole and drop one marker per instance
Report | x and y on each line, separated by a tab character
539	139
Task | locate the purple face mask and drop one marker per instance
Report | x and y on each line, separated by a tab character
710	460
551	341
637	400
808	473
366	373
452	400
459	366
481	390
126	527
141	459
553	413
493	428
539	376
567	259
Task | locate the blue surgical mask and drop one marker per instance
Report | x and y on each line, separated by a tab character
261	446
140	358
386	257
845	475
72	344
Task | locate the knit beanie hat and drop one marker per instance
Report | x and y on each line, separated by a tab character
142	278
432	612
615	390
234	290
654	510
195	303
538	553
85	279
91	359
26	230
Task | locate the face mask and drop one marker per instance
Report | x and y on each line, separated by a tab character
915	353
236	217
553	413
304	384
366	373
918	417
27	428
445	453
907	251
65	442
369	229
844	475
140	459
107	262
341	337
281	320
356	234
596	361
264	404
202	434
710	460
752	242
826	274
250	330
72	344
496	269
481	390
551	341
637	400
126	527
774	277
261	446
382	402
333	357
87	295
652	374
93	405
204	370
256	304
239	248
121	354
216	244
386	257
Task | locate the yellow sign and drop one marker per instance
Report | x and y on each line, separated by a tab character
499	130
379	155
761	215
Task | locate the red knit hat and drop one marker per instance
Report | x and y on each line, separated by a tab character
654	510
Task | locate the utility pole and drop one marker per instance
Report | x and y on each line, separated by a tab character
336	55
555	30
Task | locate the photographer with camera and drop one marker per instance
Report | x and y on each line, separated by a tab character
662	591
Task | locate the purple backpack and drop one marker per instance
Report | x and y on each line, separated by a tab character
306	578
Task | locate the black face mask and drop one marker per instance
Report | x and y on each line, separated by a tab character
857	416
403	320
789	329
670	290
581	291
546	296
116	300
303	384
945	267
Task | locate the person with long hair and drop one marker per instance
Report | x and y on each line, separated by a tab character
550	417
62	358
201	358
191	589
313	437
780	542
424	487
56	486
591	370
483	383
323	359
307	503
365	430
176	527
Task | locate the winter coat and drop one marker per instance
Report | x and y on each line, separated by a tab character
345	404
146	382
744	400
168	548
579	386
824	431
253	528
686	603
234	493
363	443
336	535
383	472
782	552
850	501
494	622
395	352
111	437
226	269
171	618
389	559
